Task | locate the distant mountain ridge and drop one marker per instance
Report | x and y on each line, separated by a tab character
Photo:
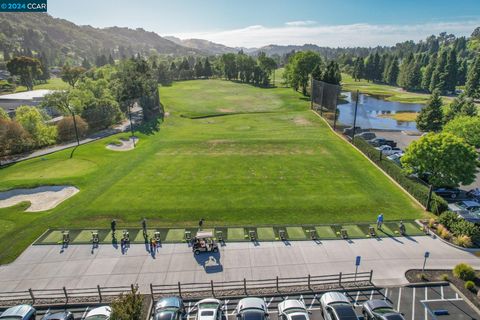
205	46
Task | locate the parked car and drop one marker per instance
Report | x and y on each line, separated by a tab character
448	193
20	312
291	309
251	309
466	205
388	150
63	315
170	308
100	313
474	194
336	306
209	309
349	131
395	157
377	142
366	135
380	310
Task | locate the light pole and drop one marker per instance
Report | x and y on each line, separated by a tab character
426	255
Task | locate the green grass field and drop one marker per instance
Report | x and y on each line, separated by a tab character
265	158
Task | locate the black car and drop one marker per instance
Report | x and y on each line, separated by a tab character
64	315
377	142
448	193
170	308
380	310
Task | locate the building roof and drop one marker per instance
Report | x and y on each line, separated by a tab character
27	95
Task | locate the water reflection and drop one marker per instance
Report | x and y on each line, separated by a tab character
371	108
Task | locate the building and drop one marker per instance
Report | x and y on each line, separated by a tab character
10	102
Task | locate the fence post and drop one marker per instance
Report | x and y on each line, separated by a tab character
66	295
179	289
340	279
99	293
380	156
213	290
309	288
371	275
151	291
277	285
31	295
245	285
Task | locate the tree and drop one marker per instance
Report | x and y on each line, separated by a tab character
410	75
110	60
86	64
128	306
460	106
465	127
198	69
446	159
66	128
370	68
462	73
14	138
44	66
440	74
207	69
472	87
229	66
32	121
430	117
392	72
428	72
4	115
71	75
358	69
299	68
451	71
332	73
28	69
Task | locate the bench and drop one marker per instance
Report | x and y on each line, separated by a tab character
344	233
313	234
372	232
252	235
66	237
282	234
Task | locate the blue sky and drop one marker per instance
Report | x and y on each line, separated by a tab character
261	22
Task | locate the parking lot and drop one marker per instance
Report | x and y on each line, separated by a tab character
416	303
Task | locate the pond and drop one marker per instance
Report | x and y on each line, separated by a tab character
376	113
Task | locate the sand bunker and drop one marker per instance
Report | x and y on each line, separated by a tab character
41	198
123	144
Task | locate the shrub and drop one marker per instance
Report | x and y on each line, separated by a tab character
128	306
445	234
470	285
444	277
440	228
418	190
463	227
66	128
464	271
14	138
448	219
463	241
102	116
432	222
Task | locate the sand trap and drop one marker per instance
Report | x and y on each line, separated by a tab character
123	145
41	198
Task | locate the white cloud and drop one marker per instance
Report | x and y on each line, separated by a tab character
300	23
301	32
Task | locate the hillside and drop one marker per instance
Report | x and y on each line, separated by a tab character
61	40
206	46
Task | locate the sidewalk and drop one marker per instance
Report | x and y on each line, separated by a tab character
46	267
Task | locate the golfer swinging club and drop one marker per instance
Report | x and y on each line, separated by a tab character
380	221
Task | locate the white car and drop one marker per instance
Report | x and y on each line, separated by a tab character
336	306
388	150
209	309
291	309
100	313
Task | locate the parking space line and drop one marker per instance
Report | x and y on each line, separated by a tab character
441	291
85	313
399	297
371	295
456	295
425	306
356	297
386	294
313	302
442	300
413	305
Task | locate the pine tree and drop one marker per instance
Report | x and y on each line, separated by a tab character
45	67
427	74
370	68
392	72
110	60
317	73
332	73
430	117
472	87
462	72
439	74
358	69
86	64
198	69
207	72
451	71
405	69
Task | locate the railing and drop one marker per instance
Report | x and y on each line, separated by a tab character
269	286
213	288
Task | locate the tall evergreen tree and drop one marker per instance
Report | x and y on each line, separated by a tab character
86	64
370	68
430	117
462	72
358	69
198	69
428	72
472	87
439	76
451	71
332	73
392	72
207	69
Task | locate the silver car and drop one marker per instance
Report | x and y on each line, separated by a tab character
292	310
209	309
336	306
380	310
251	309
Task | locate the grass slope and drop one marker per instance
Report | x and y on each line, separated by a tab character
267	159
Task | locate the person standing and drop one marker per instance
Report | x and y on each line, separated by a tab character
380	221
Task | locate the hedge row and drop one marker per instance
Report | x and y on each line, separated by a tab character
459	227
417	189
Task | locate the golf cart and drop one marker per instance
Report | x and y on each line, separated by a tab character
203	242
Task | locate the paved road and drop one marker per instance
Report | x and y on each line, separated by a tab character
44	266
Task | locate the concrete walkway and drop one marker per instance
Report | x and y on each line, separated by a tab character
44	266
